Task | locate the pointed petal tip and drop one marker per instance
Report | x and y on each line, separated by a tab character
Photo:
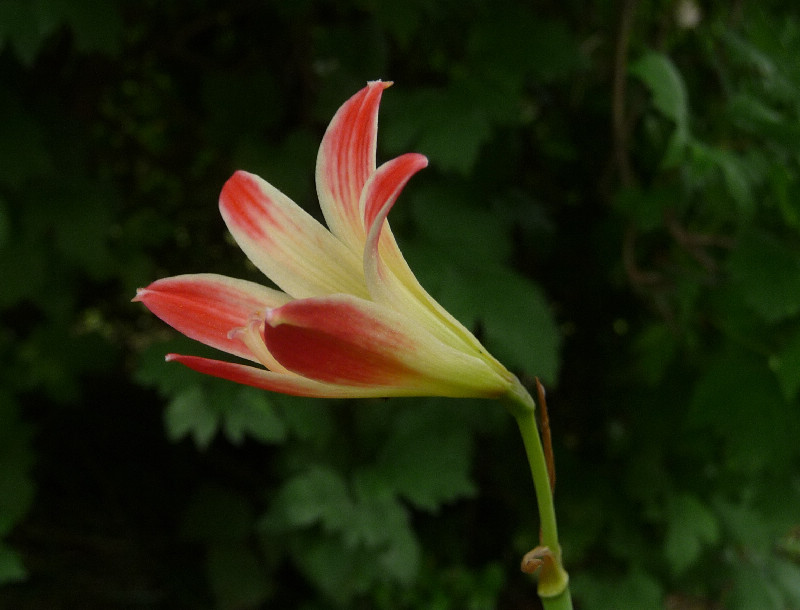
241	174
383	188
383	84
415	160
234	185
143	294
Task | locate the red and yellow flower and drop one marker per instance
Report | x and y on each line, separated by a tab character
350	318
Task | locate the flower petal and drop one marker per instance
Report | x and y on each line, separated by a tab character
285	242
389	278
206	307
345	340
345	162
279	382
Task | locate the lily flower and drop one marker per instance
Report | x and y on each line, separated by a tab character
349	318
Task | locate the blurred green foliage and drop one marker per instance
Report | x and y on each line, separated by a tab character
613	204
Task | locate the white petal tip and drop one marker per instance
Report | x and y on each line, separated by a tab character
272	317
385	84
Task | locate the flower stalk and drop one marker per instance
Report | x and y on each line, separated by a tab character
553	586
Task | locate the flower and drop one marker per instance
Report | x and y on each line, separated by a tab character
350	318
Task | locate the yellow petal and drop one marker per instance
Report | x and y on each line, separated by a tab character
286	243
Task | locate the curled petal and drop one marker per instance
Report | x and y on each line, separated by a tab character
252	336
344	340
285	242
206	307
385	186
283	383
389	279
345	161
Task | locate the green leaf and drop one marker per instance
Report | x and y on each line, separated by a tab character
381	522
189	413
364	536
746	526
445	125
752	589
427	460
25	24
786	366
739	399
448	217
655	350
96	24
11	567
675	149
16	494
646	207
307	419
662	78
736	173
787	576
401	556
16	460
341	572
517	323
317	495
767	273
636	589
252	414
344	568
790	542
759	118
168	378
377	511
690	527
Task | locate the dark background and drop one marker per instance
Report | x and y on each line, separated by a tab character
612	204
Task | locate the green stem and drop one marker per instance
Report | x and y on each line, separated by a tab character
553	579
